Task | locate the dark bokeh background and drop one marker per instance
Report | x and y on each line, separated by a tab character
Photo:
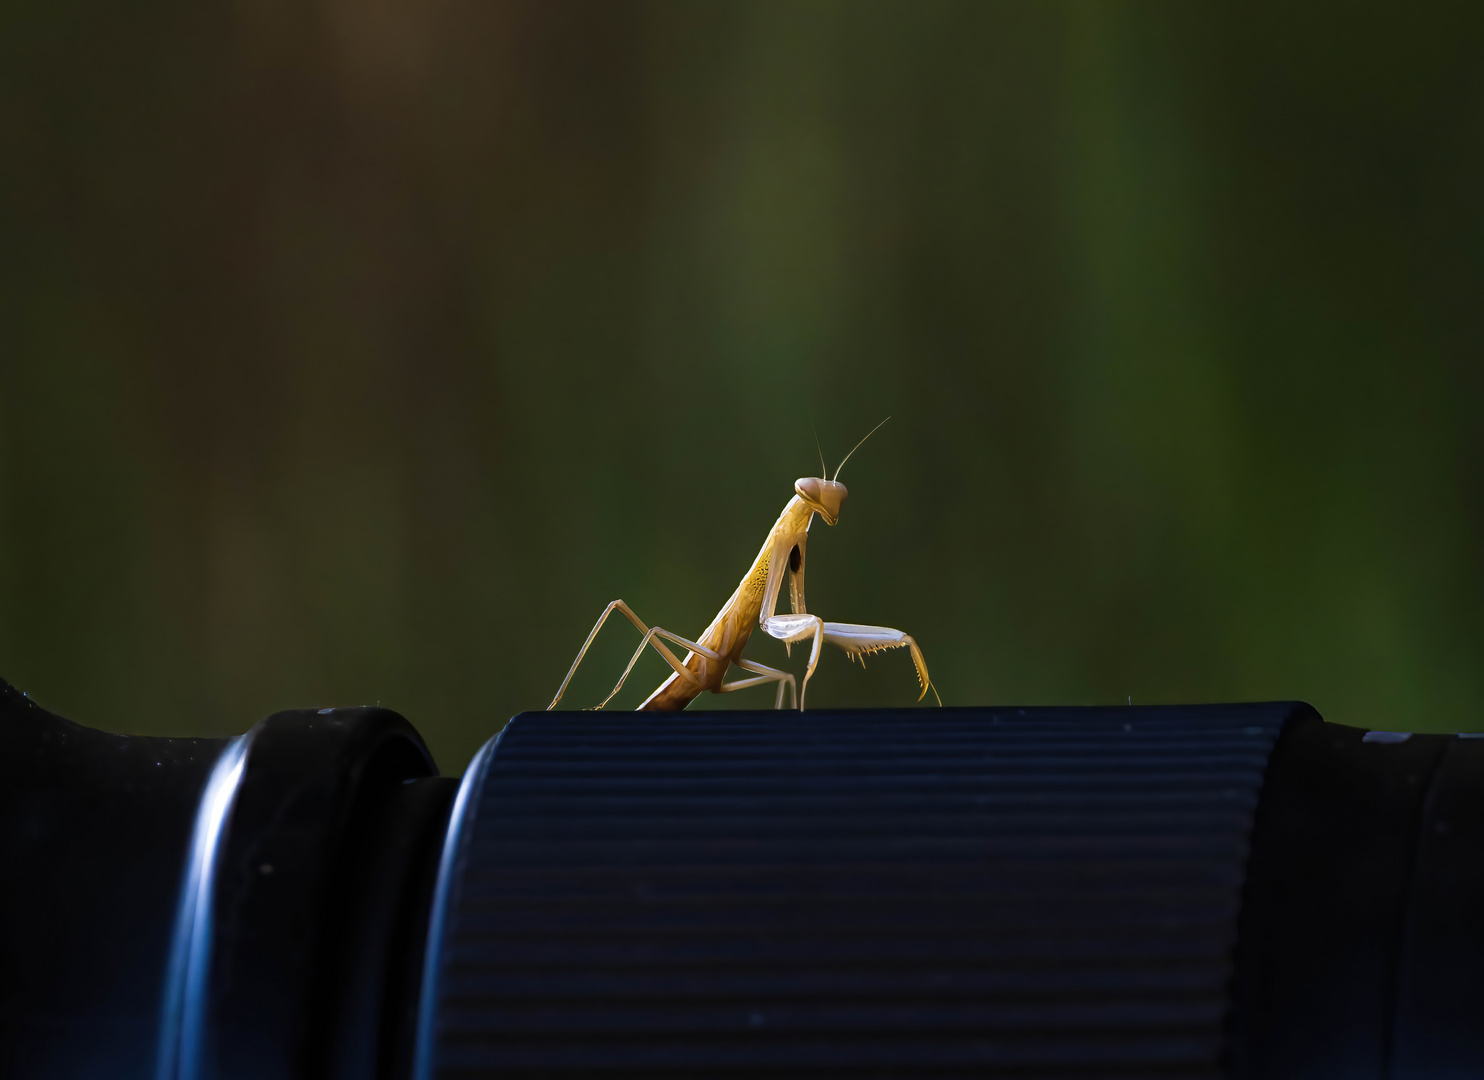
361	351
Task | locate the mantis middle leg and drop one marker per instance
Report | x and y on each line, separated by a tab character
782	678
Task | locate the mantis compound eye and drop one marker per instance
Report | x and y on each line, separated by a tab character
824	495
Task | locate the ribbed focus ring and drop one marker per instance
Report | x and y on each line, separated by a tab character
1031	892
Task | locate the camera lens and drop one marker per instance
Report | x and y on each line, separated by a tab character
1232	890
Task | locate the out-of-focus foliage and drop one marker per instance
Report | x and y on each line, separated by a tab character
359	352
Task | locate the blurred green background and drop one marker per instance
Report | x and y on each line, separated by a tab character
361	352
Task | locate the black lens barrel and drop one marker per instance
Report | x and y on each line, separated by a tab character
213	909
1361	937
94	830
948	893
1235	890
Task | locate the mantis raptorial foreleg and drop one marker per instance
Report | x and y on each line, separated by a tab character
791	628
858	640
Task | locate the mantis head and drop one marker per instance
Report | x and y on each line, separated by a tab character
823	496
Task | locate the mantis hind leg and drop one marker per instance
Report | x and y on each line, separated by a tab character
649	635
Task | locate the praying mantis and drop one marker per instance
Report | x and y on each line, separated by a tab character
720	645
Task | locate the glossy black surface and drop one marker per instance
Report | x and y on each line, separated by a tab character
312	879
1182	892
322	882
959	892
1439	1032
93	835
1361	944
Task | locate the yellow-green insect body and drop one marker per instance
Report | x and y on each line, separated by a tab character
754	603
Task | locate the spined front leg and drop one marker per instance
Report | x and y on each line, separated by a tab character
859	640
791	628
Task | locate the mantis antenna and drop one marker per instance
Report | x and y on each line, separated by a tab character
856	447
824	470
